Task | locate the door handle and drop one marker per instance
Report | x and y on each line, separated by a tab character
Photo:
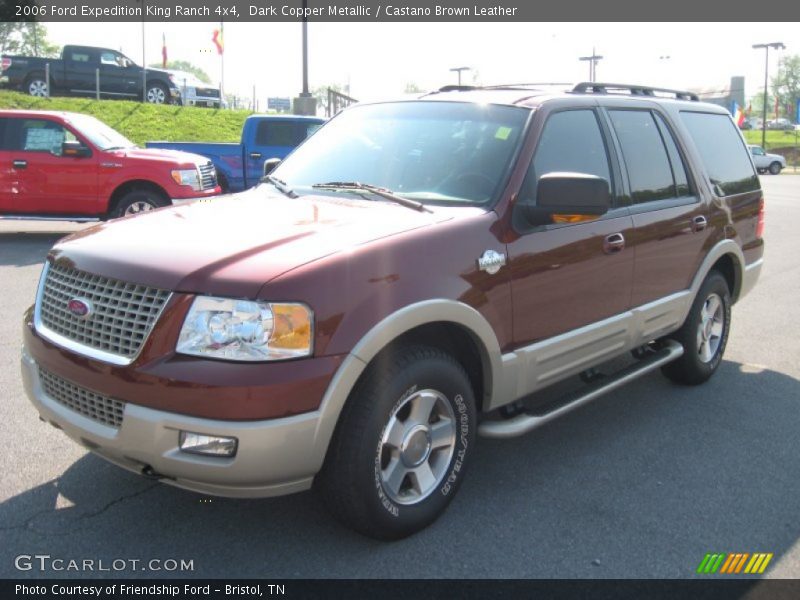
614	243
20	164
255	155
699	223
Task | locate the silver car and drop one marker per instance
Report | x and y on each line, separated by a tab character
767	162
195	92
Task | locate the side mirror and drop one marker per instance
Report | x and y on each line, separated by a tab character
75	149
270	164
569	198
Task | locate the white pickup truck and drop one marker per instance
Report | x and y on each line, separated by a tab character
767	162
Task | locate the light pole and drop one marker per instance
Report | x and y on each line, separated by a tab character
458	70
593	60
766	47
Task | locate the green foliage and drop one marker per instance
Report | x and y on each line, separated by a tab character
185	65
27	39
144	122
786	85
775	139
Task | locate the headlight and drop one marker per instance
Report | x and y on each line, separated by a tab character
246	329
187	177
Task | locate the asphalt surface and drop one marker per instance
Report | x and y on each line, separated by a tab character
641	483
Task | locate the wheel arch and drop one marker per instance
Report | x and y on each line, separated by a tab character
727	258
446	324
129	186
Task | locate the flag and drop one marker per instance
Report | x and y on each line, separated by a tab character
738	113
217	39
163	51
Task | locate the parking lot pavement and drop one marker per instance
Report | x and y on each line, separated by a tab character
641	483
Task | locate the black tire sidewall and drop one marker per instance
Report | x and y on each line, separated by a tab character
444	376
696	368
775	170
137	196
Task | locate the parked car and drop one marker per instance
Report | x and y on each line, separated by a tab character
60	165
241	166
782	124
767	162
75	74
409	277
195	92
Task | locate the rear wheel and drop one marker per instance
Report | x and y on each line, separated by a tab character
138	201
36	86
704	334
402	444
775	168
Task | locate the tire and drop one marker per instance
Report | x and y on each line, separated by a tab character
36	86
775	168
402	444
157	93
138	201
704	334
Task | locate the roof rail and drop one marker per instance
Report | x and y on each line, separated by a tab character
501	86
592	87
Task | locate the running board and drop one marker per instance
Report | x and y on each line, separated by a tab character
526	422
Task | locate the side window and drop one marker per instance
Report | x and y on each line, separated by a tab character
5	134
675	160
722	151
110	58
272	133
39	135
80	57
757	151
645	155
311	128
571	141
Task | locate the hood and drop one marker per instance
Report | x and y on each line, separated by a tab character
161	154
233	245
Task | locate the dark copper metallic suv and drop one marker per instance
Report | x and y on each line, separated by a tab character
406	279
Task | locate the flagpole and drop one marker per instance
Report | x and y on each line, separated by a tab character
222	66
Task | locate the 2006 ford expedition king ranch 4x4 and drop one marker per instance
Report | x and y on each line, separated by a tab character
407	279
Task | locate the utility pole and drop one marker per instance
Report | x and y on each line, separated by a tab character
592	60
766	47
458	70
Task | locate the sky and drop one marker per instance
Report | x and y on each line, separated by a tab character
378	60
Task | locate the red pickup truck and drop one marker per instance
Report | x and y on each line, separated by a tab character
59	165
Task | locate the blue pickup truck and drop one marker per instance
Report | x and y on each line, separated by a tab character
240	166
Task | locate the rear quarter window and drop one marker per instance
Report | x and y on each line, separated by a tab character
722	151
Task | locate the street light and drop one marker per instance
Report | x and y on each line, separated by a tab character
766	47
593	60
458	70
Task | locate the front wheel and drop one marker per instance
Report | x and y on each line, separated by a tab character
775	168
704	334
136	202
157	94
401	447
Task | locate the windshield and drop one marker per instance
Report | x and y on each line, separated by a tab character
433	152
98	133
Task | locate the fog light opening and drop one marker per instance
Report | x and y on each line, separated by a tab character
208	445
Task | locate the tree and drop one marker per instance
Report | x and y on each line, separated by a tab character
786	84
413	88
27	39
184	65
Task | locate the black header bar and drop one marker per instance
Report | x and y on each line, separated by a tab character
388	11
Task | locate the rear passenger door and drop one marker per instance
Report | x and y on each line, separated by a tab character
569	275
671	223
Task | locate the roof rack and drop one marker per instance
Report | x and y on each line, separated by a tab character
502	86
591	87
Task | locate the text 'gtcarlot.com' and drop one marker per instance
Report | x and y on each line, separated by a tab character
46	562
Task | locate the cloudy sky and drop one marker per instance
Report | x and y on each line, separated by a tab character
379	59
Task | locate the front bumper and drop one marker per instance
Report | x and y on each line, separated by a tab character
274	456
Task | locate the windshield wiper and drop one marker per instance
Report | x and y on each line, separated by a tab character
373	189
280	185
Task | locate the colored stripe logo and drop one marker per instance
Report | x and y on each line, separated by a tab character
734	563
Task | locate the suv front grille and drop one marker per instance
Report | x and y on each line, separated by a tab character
207	92
97	407
208	176
121	317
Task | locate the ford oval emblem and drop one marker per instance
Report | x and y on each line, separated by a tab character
80	307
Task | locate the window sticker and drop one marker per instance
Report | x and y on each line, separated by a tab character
502	133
